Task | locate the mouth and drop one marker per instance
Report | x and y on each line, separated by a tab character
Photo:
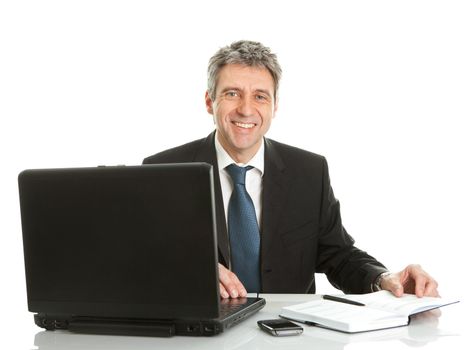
244	125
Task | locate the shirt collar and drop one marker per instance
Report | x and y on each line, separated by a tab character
224	159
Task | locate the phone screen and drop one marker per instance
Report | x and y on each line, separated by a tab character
284	324
280	327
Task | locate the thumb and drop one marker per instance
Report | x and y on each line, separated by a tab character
392	283
397	289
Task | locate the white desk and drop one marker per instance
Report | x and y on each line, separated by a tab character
432	332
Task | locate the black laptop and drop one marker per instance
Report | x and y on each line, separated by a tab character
125	250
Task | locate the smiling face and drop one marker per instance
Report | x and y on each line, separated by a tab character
243	109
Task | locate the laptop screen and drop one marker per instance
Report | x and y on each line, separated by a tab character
135	241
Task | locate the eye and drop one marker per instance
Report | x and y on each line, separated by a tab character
261	97
231	94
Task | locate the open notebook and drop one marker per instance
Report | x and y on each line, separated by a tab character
380	310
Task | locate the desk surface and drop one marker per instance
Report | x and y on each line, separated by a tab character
428	332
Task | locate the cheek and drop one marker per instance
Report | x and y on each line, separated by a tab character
268	116
222	114
219	117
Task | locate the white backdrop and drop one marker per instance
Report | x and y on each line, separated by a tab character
381	88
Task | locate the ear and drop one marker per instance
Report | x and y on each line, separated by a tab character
276	107
208	103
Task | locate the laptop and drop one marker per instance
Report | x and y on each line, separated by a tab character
125	250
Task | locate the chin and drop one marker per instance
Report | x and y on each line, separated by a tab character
242	145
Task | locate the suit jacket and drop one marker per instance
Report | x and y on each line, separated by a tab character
301	229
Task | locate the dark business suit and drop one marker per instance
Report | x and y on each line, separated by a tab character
301	229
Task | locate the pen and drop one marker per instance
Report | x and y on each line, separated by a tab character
342	300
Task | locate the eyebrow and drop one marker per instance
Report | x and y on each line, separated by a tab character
264	91
229	88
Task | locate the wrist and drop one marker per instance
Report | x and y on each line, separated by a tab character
377	284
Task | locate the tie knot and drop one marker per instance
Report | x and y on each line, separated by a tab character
238	173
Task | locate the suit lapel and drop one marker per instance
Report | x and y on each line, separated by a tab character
207	153
275	187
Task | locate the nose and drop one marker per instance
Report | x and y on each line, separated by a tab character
245	107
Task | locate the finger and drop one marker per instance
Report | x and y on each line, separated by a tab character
223	292
431	289
231	283
238	289
405	275
242	291
420	285
228	284
425	285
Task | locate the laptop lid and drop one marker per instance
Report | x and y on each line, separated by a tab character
134	242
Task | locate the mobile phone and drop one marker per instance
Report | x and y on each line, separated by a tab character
280	327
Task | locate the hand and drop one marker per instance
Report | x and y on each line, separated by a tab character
230	286
413	280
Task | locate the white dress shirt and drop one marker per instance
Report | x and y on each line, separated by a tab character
253	178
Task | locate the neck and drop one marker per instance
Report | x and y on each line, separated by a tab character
241	158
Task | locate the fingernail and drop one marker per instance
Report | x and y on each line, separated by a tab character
234	293
224	294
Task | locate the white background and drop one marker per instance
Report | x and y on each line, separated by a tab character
383	89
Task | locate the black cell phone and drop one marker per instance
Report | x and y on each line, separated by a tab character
280	327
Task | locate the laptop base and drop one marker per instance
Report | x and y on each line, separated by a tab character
148	327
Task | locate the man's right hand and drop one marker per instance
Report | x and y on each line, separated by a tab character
230	285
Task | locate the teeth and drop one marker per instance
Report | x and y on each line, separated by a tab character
244	125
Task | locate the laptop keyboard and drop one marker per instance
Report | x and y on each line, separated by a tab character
231	306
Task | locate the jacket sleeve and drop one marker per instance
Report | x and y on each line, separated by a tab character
347	267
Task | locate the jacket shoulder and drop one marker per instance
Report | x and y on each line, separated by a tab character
294	155
183	153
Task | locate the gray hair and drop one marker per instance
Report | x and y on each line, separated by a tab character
246	53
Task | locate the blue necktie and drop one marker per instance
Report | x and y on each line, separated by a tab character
243	231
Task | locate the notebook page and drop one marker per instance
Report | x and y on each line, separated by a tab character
341	316
405	305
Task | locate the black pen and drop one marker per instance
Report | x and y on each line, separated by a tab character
342	300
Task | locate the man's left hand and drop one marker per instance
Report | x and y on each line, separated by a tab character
413	280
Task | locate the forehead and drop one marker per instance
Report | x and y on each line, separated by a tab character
245	78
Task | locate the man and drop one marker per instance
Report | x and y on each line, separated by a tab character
278	221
